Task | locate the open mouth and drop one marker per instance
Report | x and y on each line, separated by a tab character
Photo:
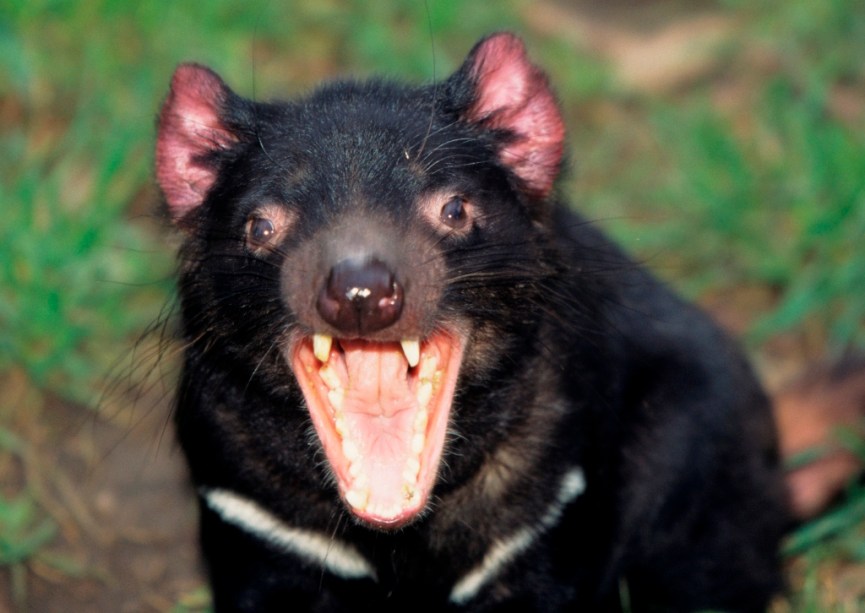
380	410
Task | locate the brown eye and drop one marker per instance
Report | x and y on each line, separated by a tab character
260	231
454	214
267	227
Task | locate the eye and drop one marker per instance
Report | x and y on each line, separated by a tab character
267	227
454	214
260	231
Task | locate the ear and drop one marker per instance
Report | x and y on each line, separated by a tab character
191	131
513	95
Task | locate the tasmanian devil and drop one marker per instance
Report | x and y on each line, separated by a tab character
414	380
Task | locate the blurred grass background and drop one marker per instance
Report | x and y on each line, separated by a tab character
723	142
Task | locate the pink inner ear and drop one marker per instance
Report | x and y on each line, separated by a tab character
514	95
189	129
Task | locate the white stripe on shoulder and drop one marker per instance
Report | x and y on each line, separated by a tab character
506	550
341	559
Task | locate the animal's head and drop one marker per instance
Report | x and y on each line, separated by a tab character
376	241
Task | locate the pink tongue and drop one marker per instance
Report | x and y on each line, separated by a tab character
379	412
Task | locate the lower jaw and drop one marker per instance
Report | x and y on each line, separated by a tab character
389	521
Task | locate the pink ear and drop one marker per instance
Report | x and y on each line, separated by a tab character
512	94
190	129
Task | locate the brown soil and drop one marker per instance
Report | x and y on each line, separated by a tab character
117	489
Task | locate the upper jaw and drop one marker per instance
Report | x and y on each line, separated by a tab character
381	412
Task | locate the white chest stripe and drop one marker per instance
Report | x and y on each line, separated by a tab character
340	559
506	550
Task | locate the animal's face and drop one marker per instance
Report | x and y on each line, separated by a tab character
375	241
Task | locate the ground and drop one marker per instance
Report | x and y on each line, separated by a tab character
117	486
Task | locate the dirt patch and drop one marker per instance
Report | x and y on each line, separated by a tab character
117	489
647	48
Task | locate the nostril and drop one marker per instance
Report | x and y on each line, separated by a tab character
360	296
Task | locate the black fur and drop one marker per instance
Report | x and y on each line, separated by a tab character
575	356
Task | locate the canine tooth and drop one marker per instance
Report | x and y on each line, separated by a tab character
411	349
357	498
321	344
417	442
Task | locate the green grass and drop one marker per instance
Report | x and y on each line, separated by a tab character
24	527
785	203
768	191
773	183
23	532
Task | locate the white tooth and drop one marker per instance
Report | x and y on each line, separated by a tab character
411	471
417	443
336	397
339	423
350	450
421	420
329	376
411	349
428	368
382	510
354	469
411	494
321	346
424	393
357	498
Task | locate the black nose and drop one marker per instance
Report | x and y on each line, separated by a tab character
360	296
